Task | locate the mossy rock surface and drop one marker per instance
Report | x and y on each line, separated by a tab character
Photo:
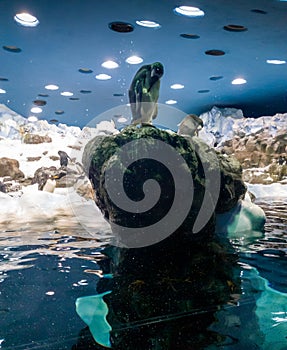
102	154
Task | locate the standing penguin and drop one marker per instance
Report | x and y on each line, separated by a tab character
190	125
144	93
63	158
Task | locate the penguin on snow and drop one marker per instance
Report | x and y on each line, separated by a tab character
63	158
144	93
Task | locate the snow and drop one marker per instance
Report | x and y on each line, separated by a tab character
223	124
274	190
30	206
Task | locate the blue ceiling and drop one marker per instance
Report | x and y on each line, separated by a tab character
75	34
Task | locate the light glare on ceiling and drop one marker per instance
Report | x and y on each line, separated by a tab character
189	11
32	119
26	20
170	102
67	93
148	24
177	86
52	87
2	91
103	77
110	64
134	60
238	81
276	61
36	110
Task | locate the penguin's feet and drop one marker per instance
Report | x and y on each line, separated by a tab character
147	124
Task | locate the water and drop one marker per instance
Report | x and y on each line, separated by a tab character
42	273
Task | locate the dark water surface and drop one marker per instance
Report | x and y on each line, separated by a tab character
43	273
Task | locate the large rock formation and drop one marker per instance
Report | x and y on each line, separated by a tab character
10	167
182	273
101	155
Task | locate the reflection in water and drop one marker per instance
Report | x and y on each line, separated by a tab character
196	297
165	296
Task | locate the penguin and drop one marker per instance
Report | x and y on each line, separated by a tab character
50	185
144	93
190	125
63	158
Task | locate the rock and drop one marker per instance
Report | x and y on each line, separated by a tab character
84	188
10	167
75	147
35	139
10	186
232	186
100	156
256	151
68	180
33	159
54	158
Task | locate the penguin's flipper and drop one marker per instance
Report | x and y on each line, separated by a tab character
155	112
132	98
139	99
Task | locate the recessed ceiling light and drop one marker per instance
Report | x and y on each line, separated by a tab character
54	121
26	20
85	70
276	61
110	64
235	28
85	91
238	81
52	87
216	77
59	111
203	91
148	24
12	48
67	93
118	94
2	91
74	98
103	77
121	27
189	36
177	86
170	102
39	103
189	11
36	110
3	79
43	95
32	119
134	60
262	12
215	52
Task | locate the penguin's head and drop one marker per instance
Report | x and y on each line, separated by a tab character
156	70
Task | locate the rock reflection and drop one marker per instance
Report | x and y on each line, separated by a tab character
165	296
